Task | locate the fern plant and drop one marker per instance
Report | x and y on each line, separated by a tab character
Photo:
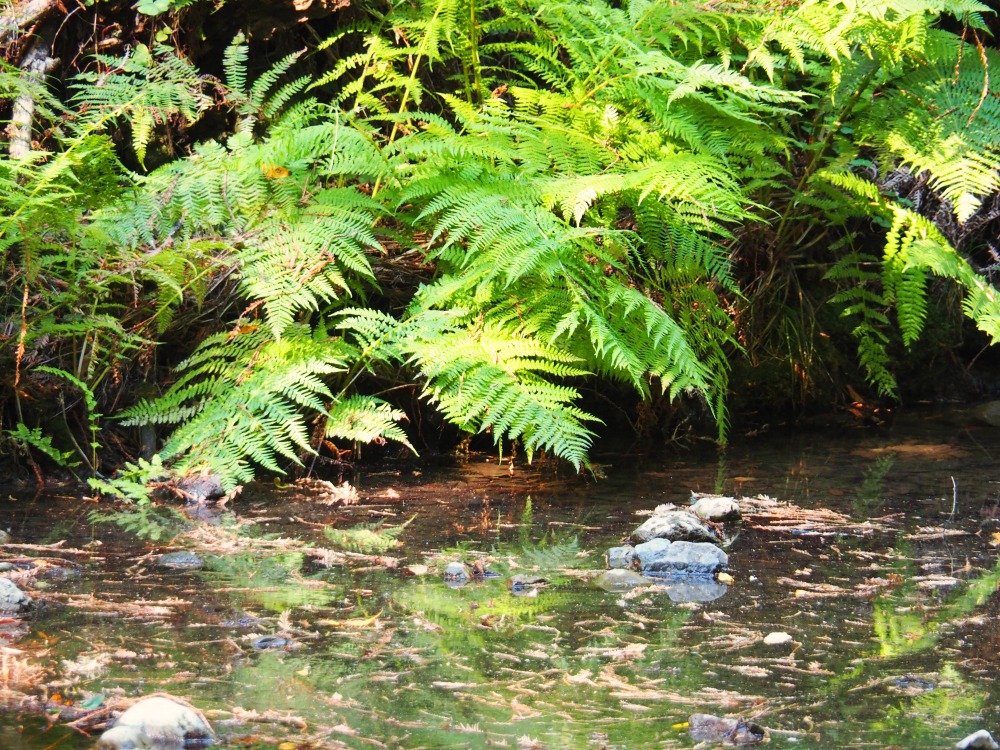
632	192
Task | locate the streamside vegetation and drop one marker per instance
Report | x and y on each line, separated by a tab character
233	257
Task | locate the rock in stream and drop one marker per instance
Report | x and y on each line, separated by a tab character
180	560
981	740
157	723
12	599
708	728
675	525
680	558
715	507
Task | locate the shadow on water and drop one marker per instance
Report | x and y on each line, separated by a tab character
294	633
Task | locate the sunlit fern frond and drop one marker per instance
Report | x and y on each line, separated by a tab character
145	86
941	119
240	400
485	380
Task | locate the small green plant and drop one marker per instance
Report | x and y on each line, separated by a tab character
27	439
133	481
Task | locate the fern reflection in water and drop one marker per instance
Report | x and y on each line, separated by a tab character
272	581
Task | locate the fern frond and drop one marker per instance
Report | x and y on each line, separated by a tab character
939	119
486	381
365	419
240	399
147	87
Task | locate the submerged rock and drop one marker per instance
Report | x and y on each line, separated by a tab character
157	723
180	560
457	574
981	740
618	580
12	599
695	590
988	414
716	507
268	642
621	557
526	585
674	525
708	728
680	558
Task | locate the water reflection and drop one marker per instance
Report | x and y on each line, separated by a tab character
892	626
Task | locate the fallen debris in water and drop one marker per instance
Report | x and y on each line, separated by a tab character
708	728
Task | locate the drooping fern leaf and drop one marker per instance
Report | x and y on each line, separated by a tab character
241	397
941	118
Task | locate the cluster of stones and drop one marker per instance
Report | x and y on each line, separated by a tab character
676	545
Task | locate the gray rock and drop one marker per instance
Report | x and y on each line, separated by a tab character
675	525
684	558
156	723
201	488
988	414
716	507
708	728
267	642
4	537
618	581
621	557
457	574
180	560
650	553
12	599
981	740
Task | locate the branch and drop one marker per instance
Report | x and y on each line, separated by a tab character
21	15
37	63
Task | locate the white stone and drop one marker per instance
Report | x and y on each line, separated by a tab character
777	638
155	723
981	740
716	507
12	599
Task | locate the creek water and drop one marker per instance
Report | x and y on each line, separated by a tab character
892	631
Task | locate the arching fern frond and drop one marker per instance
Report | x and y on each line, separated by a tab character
941	119
147	87
486	380
240	399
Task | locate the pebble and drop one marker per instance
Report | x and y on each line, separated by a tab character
777	638
266	642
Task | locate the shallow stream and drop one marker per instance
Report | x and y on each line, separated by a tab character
286	642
